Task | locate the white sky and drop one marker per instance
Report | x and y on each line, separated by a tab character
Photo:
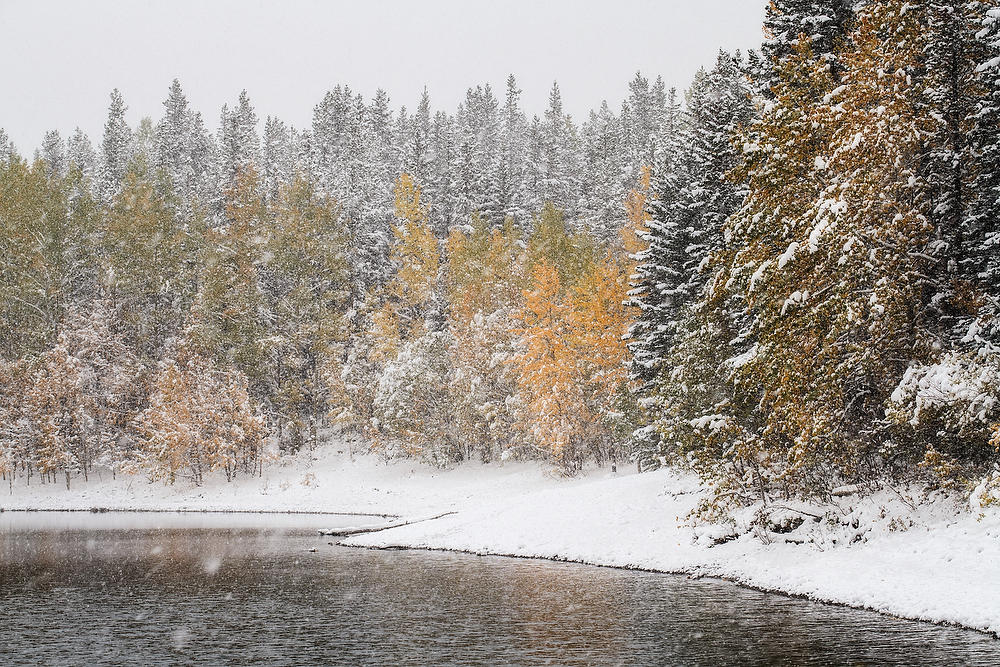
62	58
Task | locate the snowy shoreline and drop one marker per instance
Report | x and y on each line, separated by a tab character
928	558
940	569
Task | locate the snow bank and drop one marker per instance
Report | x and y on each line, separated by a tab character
935	562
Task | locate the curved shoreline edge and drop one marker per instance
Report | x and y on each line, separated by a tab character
692	573
902	552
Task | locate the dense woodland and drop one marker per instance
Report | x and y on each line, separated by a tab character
786	278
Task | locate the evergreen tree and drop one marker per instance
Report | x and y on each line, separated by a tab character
81	155
558	177
824	23
116	149
7	151
174	145
477	157
53	154
239	144
603	187
278	158
984	214
692	197
510	175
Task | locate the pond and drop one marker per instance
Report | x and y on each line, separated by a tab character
81	588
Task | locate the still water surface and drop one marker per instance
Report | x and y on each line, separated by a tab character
240	589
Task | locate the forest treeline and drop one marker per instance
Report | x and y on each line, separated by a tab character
786	278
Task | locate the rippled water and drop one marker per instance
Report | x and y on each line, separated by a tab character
241	589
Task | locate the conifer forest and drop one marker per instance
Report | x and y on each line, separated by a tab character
785	277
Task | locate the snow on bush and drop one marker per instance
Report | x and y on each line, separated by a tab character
962	389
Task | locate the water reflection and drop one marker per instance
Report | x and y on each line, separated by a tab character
147	590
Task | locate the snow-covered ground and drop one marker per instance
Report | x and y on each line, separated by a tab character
326	480
922	557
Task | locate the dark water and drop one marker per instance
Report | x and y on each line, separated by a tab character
184	589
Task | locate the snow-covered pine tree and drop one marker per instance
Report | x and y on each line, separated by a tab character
278	158
477	157
945	403
951	92
415	142
641	119
116	149
82	156
824	23
204	160
691	199
984	214
511	173
370	226
53	154
6	148
558	163
444	154
603	188
172	150
239	144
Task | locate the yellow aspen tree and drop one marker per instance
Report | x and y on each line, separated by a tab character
554	413
170	445
16	432
598	321
59	412
200	418
416	256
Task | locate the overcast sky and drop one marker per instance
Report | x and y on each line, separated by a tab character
62	58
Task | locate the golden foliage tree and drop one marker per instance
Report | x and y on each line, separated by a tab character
569	362
201	418
553	412
416	257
